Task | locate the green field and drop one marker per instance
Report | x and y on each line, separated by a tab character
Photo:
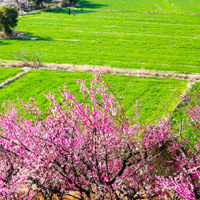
174	6
139	40
6	73
158	96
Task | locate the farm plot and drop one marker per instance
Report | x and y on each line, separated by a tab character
6	73
168	42
158	96
175	6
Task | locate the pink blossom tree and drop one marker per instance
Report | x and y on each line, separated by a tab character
91	148
185	182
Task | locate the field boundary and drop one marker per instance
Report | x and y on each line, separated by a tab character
106	69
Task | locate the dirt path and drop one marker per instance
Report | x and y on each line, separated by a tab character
105	69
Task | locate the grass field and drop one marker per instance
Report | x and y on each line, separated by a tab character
6	73
158	96
175	6
152	41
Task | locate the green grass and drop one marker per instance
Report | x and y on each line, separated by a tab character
168	42
6	73
175	6
158	96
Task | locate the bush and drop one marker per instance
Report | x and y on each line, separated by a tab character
8	18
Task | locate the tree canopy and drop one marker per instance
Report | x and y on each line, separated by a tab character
8	18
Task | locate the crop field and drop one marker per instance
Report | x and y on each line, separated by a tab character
137	40
172	6
6	73
158	96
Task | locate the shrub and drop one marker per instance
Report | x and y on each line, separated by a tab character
8	18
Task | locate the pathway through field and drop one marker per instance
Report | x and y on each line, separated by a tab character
109	70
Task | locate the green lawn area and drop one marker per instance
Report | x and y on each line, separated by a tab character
175	6
158	96
169	42
6	73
